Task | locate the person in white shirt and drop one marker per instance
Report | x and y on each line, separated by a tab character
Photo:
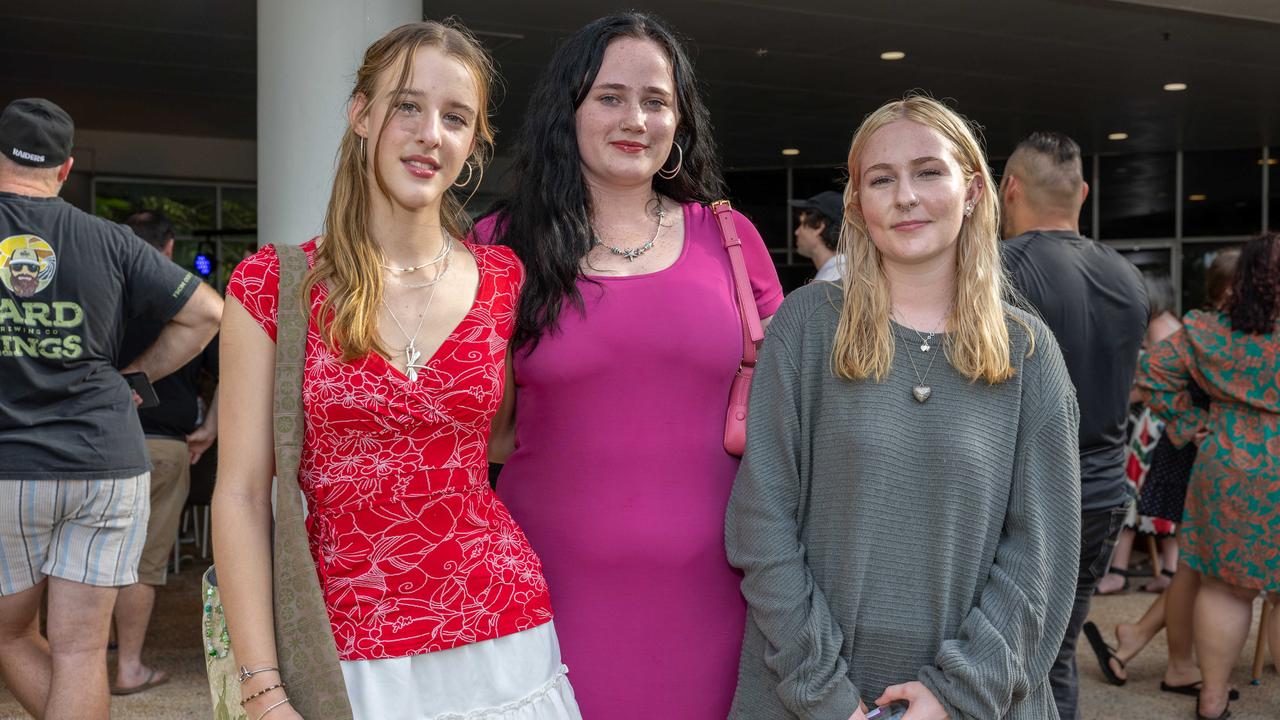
818	233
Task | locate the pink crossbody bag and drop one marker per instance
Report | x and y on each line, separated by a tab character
735	421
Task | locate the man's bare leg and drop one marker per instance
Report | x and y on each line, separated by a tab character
24	653
133	615
79	624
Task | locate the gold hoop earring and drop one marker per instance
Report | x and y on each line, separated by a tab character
362	147
470	172
671	174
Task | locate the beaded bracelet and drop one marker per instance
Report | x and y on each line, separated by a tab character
262	692
273	707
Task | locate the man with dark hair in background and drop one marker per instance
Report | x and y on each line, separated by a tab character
818	233
177	434
75	478
1095	303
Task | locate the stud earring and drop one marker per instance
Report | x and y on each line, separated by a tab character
968	209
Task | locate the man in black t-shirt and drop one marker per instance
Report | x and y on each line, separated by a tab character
1095	303
74	484
177	434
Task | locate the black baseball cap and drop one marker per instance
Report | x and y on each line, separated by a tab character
35	132
829	204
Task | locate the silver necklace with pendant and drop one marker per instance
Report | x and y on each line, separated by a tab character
632	253
411	353
921	392
925	339
444	253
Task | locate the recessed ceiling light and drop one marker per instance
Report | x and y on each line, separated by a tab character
1270	161
1118	136
1197	197
790	151
892	55
1175	87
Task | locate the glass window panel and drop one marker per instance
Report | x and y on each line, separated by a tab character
807	182
762	196
234	249
1151	261
1136	197
1222	193
239	208
184	253
1196	258
1154	262
1086	210
189	207
1273	189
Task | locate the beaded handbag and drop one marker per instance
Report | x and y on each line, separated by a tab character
220	664
308	658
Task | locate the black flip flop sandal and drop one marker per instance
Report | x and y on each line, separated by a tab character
1226	713
1105	653
1193	690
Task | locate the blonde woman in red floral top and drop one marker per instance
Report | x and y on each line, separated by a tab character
436	601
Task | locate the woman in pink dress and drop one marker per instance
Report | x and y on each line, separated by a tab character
627	341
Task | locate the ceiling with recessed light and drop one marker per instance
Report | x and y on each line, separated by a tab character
778	73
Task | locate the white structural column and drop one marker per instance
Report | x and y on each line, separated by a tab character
308	52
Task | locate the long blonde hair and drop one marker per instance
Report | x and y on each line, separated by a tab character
978	346
348	261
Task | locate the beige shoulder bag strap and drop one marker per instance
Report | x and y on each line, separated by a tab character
304	640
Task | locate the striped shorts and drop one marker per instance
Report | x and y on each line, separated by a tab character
86	531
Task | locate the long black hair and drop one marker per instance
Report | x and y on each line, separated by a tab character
546	218
1254	304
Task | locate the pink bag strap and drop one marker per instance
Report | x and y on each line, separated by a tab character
752	331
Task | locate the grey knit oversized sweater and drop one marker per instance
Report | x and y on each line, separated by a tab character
884	541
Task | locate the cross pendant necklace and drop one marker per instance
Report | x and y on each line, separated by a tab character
411	353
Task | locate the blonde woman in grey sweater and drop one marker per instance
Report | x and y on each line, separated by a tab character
907	513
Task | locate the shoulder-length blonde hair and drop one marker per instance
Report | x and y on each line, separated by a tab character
348	261
978	346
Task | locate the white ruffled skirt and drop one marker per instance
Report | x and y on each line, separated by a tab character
514	677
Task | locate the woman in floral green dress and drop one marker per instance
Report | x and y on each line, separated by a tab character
1231	529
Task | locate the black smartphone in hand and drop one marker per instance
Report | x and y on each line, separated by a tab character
893	711
139	383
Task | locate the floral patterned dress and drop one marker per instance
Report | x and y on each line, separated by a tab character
414	551
1231	527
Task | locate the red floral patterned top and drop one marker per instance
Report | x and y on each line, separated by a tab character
414	551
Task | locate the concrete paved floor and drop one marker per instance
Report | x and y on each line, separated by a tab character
174	645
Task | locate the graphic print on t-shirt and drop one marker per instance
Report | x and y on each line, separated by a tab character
29	328
27	264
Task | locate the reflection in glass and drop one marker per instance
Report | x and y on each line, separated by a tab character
1196	258
1273	191
1136	197
239	208
1221	193
761	195
189	207
1086	210
807	182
